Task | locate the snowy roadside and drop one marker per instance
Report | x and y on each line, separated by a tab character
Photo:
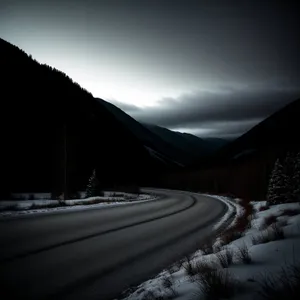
24	207
235	210
238	265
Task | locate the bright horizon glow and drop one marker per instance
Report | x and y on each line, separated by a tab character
111	92
105	80
196	65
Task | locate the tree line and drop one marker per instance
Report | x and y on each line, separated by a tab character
284	184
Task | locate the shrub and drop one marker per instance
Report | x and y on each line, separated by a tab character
189	269
262	238
217	285
243	254
248	207
282	286
198	268
149	295
275	232
268	285
225	258
168	283
278	233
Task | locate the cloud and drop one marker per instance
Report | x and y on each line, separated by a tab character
127	107
223	129
227	111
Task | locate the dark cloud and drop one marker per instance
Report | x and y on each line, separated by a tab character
224	129
218	67
227	112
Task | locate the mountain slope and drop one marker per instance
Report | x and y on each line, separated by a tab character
267	140
279	132
146	136
44	111
216	143
178	140
174	146
243	167
192	145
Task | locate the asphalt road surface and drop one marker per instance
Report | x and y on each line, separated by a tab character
98	253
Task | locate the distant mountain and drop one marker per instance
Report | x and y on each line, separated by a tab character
50	122
176	147
43	113
171	154
217	143
277	133
269	139
242	168
192	146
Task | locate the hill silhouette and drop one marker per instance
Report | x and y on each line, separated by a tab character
243	166
175	147
45	110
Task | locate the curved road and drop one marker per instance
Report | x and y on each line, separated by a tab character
98	253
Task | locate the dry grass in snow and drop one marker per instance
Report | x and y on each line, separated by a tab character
256	257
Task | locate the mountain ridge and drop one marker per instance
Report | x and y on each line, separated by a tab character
183	148
45	111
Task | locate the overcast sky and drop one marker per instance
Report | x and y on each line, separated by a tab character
212	68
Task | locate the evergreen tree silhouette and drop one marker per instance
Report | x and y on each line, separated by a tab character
284	184
295	180
93	187
289	171
278	185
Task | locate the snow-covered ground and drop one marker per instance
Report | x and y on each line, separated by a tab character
267	255
41	204
234	211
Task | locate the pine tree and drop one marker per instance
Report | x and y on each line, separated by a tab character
296	178
93	187
278	185
289	171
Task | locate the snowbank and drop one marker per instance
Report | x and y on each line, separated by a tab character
23	207
267	257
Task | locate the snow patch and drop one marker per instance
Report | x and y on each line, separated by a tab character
25	207
267	257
